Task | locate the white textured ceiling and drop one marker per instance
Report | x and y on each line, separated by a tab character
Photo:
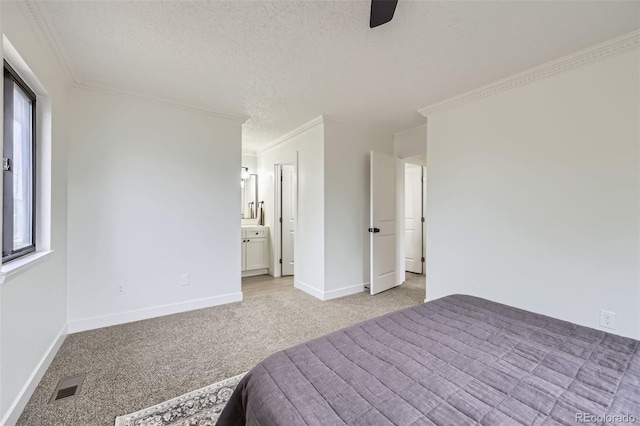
283	63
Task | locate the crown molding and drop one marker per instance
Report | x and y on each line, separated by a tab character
295	132
36	14
249	152
582	57
412	130
320	119
158	101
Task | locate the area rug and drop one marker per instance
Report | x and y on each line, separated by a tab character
201	407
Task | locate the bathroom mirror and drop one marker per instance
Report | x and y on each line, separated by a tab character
249	196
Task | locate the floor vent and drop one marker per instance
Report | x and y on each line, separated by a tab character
68	387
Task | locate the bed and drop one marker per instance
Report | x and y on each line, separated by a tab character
459	360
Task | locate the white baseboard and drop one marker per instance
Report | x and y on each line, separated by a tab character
16	408
310	290
254	272
429	299
344	291
146	313
331	294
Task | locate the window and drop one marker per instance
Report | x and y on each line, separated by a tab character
19	168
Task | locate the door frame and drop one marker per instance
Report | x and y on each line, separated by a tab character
423	196
277	202
422	210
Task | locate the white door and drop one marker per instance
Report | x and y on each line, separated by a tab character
413	218
383	222
289	189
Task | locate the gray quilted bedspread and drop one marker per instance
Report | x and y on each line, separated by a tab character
459	360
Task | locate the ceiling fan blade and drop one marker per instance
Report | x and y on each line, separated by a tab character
382	12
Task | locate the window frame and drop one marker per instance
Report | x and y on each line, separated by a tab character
11	77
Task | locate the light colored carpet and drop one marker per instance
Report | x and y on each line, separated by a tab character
137	365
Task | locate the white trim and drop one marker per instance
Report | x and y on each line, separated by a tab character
412	130
295	132
308	289
249	152
147	313
158	101
344	291
331	294
22	264
306	126
429	299
37	15
585	56
43	144
255	272
277	201
16	408
23	69
277	228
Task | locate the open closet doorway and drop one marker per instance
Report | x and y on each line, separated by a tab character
415	206
287	211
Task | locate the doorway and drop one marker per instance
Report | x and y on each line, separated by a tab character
288	189
286	202
414	211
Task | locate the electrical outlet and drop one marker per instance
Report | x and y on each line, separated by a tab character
185	279
607	319
120	289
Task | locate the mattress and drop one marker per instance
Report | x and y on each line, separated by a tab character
459	360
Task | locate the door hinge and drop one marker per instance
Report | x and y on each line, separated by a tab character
281	261
422	260
423	220
6	164
280	220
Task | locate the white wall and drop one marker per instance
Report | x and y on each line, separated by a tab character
332	252
534	195
307	144
347	209
411	142
153	194
33	305
251	162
